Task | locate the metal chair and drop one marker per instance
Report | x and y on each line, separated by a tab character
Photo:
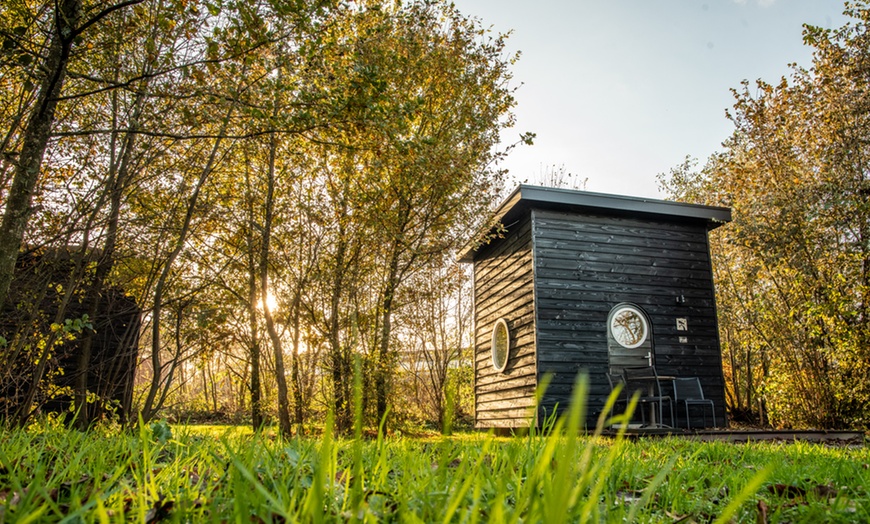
688	391
615	379
646	380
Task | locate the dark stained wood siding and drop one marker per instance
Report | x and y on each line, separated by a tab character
585	264
504	289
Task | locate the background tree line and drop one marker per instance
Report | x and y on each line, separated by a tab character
279	185
793	268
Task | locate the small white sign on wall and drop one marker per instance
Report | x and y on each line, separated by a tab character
682	324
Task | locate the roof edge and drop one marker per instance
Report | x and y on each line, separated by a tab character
528	196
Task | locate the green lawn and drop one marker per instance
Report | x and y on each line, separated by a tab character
225	474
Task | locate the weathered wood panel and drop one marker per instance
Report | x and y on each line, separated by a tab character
519	366
504	289
511	399
511	417
527	385
586	264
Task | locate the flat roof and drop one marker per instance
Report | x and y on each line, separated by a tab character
526	197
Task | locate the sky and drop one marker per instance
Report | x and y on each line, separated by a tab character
618	91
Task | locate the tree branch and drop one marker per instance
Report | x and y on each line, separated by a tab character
179	136
102	14
132	80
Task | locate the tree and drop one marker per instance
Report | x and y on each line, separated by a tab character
427	95
204	156
793	269
435	330
67	24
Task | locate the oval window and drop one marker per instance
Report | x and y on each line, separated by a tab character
628	327
501	344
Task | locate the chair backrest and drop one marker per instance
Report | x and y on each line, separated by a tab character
688	388
615	379
642	379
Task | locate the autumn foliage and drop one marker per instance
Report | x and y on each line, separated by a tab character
793	269
265	179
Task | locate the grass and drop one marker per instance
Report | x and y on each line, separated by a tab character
197	474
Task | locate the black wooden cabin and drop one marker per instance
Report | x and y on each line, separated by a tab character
553	284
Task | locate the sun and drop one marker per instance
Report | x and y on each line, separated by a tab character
271	302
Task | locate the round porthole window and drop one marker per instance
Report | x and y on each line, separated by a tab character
628	327
501	344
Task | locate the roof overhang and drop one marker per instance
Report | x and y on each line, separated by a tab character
526	197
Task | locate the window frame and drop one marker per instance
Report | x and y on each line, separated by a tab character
616	311
500	323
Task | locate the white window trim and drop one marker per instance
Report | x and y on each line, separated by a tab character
640	314
495	327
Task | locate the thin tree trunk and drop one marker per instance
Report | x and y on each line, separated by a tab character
283	402
205	389
383	370
213	385
256	400
294	364
148	410
119	174
36	135
340	366
173	362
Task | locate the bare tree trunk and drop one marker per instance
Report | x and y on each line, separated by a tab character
173	363
256	400
283	402
205	389
340	365
150	407
383	370
213	384
298	415
67	27
36	135
119	173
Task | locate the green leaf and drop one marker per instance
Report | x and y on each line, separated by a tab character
161	432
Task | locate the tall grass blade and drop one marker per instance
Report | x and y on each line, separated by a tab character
749	490
534	421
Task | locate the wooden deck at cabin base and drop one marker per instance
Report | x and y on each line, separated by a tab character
729	435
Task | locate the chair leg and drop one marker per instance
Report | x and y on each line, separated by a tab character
703	413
